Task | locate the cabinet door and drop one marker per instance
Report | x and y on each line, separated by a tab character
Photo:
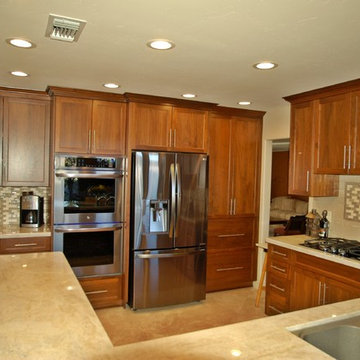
189	130
149	126
354	167
332	135
72	125
219	165
306	288
334	291
26	142
245	146
300	148
108	128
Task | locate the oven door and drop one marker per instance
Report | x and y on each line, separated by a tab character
82	197
91	251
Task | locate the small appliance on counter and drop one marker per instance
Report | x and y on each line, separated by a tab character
31	210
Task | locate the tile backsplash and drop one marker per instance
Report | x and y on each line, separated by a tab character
10	203
344	210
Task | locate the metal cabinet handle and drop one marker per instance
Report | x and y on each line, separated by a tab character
319	294
279	253
231	268
275	309
231	206
230	235
324	294
349	158
307	180
174	137
96	292
278	269
277	287
344	160
25	244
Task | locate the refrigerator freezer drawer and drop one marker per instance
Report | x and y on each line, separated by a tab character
168	277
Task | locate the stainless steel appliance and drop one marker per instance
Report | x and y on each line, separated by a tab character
31	210
168	228
337	246
88	213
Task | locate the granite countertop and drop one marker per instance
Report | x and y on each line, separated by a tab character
45	315
293	242
13	231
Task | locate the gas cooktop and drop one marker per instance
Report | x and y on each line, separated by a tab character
338	246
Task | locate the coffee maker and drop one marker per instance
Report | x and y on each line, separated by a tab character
31	210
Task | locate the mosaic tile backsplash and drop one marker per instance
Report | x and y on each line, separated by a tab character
352	201
10	203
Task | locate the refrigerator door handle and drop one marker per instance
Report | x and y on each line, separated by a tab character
178	197
168	254
172	199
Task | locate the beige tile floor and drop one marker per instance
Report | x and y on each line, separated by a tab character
125	326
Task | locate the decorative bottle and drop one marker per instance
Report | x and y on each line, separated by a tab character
324	226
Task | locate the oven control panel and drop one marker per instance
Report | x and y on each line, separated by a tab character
94	162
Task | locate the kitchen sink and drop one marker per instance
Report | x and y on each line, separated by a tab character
337	336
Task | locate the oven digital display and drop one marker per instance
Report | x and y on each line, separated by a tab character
80	162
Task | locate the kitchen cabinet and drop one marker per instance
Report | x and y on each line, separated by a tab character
234	168
298	281
103	291
334	139
167	128
302	178
19	245
88	122
234	175
25	119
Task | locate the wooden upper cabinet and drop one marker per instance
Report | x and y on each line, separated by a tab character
219	165
72	125
234	150
86	126
332	135
149	126
245	147
26	132
157	123
108	128
189	128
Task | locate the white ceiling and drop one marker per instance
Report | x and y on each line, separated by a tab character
315	42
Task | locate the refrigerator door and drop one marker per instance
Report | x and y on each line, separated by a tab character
153	200
191	207
168	277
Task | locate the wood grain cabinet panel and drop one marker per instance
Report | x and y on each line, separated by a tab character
86	126
103	291
25	244
26	134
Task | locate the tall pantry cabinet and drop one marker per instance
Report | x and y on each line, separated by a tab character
234	177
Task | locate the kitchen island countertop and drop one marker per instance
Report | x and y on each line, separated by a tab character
45	315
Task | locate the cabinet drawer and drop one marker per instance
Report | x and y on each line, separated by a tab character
103	291
279	268
230	233
25	244
227	270
278	285
276	304
279	253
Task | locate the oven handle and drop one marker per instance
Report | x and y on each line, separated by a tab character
89	174
93	229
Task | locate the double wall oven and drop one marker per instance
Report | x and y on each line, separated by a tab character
89	213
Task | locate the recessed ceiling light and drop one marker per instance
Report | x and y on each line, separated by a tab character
244	102
265	65
188	96
19	73
111	85
160	44
21	43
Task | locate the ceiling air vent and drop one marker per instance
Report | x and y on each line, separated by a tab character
64	28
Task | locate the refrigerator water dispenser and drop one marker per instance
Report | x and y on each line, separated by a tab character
158	216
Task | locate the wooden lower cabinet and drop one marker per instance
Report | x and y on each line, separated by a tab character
103	291
230	254
19	245
301	281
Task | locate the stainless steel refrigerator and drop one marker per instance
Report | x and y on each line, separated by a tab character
168	228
